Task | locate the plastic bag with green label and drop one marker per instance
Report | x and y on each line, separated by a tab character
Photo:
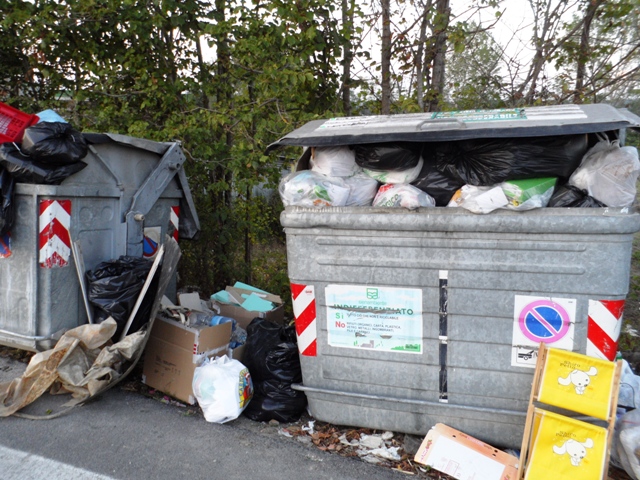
312	189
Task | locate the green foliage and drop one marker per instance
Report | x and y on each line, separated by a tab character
473	79
141	68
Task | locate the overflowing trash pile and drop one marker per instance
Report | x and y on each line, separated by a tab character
244	363
480	175
38	149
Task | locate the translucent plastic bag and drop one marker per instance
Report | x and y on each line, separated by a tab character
312	189
479	199
626	439
334	161
402	195
609	173
223	388
513	195
363	190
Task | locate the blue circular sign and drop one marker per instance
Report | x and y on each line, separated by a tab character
544	321
149	247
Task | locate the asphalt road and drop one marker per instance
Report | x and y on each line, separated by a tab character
125	435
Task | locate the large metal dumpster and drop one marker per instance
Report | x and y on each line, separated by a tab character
410	318
129	196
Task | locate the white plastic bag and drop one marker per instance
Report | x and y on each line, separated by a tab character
609	173
396	176
311	189
626	439
334	161
363	190
402	195
223	388
479	199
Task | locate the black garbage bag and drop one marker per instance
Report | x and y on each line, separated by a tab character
113	288
7	191
56	143
394	157
27	170
271	355
486	162
437	184
571	196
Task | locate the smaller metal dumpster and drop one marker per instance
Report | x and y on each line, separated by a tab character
129	196
410	318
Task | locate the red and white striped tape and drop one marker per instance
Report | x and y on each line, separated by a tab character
304	310
54	222
603	330
174	221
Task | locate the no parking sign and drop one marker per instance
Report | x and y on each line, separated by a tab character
541	319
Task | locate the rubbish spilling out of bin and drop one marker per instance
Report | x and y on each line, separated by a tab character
76	203
409	317
226	358
478	174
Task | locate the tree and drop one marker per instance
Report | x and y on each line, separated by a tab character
603	61
473	76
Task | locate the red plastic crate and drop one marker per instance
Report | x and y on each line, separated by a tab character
13	123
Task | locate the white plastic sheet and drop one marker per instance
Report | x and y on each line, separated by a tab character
609	173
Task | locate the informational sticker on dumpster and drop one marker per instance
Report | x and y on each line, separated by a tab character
541	319
378	318
151	241
5	245
376	121
483	115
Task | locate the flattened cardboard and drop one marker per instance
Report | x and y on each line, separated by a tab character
174	351
243	316
464	457
237	293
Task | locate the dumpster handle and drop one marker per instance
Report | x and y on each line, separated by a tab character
441	124
302	388
107	166
36	338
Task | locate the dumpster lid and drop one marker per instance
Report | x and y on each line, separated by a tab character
171	162
460	125
141	143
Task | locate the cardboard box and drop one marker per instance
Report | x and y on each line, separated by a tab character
243	316
237	353
519	191
463	457
174	351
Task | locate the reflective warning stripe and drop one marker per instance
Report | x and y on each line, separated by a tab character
174	221
304	310
603	330
54	222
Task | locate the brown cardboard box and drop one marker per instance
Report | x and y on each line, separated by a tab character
238	353
243	316
461	456
174	350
